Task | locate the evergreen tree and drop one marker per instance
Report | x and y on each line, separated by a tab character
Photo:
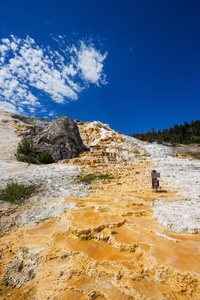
184	134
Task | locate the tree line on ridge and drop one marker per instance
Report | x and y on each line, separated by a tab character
179	134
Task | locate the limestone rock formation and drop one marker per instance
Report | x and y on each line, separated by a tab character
112	239
105	144
61	137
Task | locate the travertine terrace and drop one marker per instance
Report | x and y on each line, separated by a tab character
108	240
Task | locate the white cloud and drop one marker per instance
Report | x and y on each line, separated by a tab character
90	62
53	114
8	106
27	70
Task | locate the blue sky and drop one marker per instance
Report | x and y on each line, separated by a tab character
133	64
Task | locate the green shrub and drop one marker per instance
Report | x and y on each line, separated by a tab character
25	147
25	151
45	157
88	178
28	159
16	193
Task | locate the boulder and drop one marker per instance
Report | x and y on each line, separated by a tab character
61	136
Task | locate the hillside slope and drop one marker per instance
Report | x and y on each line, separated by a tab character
112	239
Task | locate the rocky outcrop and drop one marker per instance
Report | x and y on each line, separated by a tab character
106	145
36	124
61	137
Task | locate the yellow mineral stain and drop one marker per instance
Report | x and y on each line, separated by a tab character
109	245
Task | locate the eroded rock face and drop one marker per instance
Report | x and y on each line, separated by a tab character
36	124
61	137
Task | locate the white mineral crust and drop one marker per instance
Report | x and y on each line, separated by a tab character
182	176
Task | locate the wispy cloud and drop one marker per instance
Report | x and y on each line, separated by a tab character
30	73
90	62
